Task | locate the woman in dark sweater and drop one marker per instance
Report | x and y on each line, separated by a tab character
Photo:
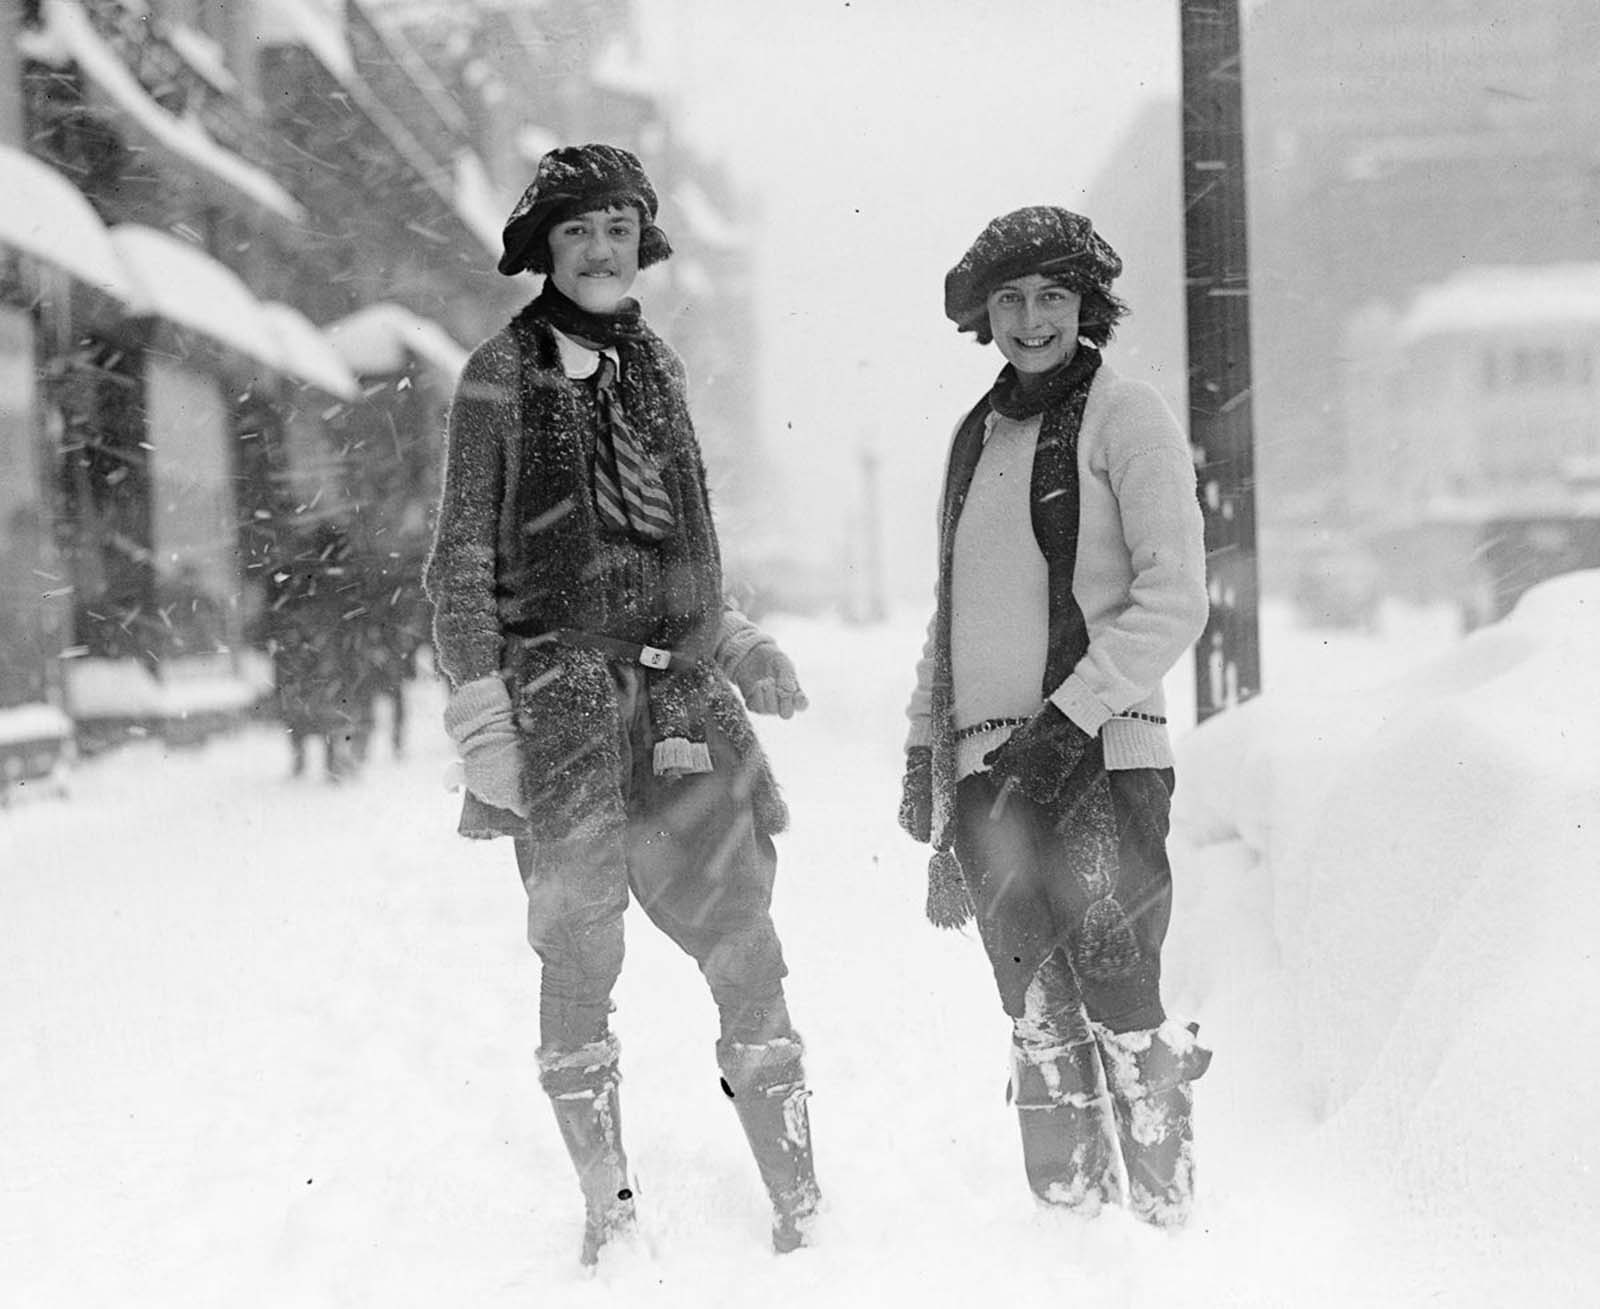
579	617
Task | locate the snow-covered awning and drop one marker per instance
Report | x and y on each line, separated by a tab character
1503	297
308	24
307	354
43	214
380	338
184	285
67	28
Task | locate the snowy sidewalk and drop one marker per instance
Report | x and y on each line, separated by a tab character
266	1042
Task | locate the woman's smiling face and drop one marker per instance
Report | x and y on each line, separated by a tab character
1034	321
595	257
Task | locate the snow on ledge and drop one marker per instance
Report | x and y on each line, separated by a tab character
22	724
124	688
1503	297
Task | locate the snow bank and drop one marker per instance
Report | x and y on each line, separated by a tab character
1411	872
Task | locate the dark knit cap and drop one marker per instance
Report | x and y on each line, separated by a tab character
1039	239
574	179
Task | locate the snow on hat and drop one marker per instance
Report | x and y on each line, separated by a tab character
1039	239
572	179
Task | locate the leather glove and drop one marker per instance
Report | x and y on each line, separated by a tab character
767	680
480	721
916	794
1049	759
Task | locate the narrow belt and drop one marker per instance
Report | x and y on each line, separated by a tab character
626	652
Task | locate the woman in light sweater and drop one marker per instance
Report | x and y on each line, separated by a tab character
1071	579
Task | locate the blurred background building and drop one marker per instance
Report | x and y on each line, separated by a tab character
1424	191
244	249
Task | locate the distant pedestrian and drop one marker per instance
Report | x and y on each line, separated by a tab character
579	617
1071	579
316	649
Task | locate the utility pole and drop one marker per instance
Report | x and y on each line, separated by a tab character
1228	655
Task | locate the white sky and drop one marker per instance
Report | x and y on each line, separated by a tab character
880	136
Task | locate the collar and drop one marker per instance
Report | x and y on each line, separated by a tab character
578	361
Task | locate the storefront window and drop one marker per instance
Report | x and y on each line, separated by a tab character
96	415
194	516
30	587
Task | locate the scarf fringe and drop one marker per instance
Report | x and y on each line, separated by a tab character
1107	947
949	901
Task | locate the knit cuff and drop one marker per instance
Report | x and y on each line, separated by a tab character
737	637
477	705
1074	698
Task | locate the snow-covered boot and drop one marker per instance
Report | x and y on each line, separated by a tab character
582	1085
1149	1073
767	1086
1069	1143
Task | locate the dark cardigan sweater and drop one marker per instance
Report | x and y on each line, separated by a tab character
493	569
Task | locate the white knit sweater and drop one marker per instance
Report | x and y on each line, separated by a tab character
1139	579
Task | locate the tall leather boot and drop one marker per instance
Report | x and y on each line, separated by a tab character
766	1083
1149	1073
582	1085
1069	1143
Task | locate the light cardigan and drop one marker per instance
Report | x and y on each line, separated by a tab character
1139	579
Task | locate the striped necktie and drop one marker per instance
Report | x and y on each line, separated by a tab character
627	485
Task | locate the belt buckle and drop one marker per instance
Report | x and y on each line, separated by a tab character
651	657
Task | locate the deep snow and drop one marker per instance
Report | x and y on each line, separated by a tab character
266	1042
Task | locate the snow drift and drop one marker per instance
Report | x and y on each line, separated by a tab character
1404	879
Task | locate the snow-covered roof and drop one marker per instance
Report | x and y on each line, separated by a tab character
183	284
307	354
309	24
67	28
1501	297
380	338
43	214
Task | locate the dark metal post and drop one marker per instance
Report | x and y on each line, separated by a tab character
1228	656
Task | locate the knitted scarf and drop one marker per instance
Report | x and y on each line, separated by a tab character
624	323
573	571
1103	943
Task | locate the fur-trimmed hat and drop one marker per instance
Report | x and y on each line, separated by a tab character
573	179
1039	239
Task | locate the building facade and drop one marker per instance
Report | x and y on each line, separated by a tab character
243	251
1388	147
